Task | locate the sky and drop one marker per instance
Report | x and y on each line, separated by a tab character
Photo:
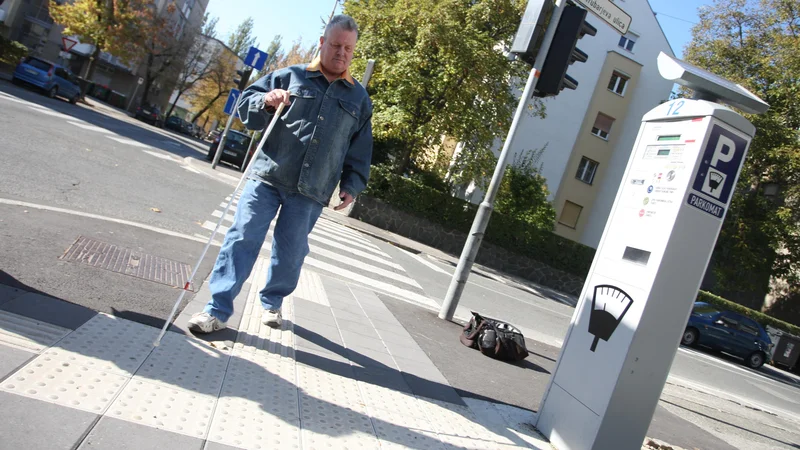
303	19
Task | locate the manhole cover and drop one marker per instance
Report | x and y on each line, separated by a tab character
129	262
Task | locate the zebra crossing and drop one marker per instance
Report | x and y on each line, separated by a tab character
339	252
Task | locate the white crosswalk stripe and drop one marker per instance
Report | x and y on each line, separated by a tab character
341	252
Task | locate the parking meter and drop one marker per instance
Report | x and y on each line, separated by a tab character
647	270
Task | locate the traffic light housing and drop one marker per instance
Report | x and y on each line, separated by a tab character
244	77
563	52
534	22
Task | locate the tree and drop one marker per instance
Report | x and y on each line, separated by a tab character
756	43
242	39
166	44
114	26
523	192
200	61
215	86
441	71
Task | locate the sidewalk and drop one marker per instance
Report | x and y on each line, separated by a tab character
342	372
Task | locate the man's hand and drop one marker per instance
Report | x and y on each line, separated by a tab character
346	200
274	98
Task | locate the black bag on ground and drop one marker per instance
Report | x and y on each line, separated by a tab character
496	339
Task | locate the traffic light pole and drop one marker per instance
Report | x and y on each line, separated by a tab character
478	229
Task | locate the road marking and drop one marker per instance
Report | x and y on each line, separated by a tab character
191	169
5	201
50	112
159	155
86	126
425	262
128	141
365	267
14	99
728	366
217	213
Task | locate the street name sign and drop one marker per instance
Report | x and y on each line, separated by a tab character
609	12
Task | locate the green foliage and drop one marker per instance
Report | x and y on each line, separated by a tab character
756	43
242	39
11	52
412	195
523	193
759	317
440	71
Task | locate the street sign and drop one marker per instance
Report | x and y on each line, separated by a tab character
68	43
609	12
230	104
140	80
256	58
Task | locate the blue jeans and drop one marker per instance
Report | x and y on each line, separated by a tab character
258	205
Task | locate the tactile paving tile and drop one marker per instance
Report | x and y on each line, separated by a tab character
328	425
458	425
66	384
187	363
28	334
258	406
310	288
165	407
106	343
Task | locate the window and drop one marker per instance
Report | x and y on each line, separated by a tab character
570	214
586	170
628	41
618	83
602	126
748	326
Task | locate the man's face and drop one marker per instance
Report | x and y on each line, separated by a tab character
336	52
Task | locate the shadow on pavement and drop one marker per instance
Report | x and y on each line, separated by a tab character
184	364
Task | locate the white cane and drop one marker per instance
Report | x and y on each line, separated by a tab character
246	172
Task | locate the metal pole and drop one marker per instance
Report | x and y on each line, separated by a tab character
476	233
135	91
168	320
368	73
249	147
224	136
333	12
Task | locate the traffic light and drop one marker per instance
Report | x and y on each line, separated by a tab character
244	77
571	27
527	40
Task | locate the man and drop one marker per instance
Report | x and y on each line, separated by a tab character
323	137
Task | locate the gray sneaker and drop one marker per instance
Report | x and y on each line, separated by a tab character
271	318
205	323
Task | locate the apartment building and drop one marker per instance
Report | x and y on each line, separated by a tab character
589	132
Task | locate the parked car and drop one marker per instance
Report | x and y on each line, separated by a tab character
149	114
213	134
175	123
728	332
54	80
235	151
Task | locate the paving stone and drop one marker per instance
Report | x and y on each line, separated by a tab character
50	310
111	433
12	359
36	425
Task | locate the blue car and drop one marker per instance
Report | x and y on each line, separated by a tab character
53	79
727	332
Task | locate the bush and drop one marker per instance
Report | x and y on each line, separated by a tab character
759	317
11	52
414	197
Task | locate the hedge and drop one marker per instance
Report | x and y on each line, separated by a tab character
759	317
414	197
11	52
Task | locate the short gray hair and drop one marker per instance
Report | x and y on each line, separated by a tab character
343	22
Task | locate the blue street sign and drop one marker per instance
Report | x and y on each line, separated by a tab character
230	105
256	58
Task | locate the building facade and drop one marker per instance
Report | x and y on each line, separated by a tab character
589	133
29	22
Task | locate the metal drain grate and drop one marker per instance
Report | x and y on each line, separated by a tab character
126	261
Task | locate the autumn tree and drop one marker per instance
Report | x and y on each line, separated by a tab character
114	26
441	71
215	86
199	62
756	43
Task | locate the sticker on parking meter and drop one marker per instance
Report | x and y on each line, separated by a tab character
722	159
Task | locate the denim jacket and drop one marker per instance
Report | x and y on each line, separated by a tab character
323	138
